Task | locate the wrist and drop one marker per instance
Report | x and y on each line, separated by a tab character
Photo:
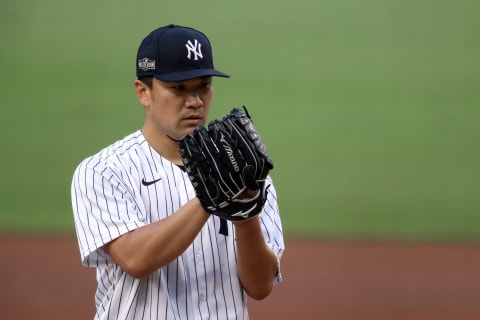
196	201
248	224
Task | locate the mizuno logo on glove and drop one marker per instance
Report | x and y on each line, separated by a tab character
228	149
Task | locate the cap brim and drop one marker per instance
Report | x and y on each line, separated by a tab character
190	74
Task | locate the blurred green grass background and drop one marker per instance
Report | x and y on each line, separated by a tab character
370	108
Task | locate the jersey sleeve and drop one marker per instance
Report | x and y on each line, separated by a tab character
272	225
104	209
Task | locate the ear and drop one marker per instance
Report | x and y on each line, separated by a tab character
143	92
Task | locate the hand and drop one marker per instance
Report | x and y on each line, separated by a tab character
227	165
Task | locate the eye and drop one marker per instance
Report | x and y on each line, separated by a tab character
205	85
178	88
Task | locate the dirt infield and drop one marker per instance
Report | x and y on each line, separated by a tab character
42	279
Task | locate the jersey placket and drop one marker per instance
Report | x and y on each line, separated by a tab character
198	279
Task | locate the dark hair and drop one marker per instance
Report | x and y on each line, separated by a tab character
148	81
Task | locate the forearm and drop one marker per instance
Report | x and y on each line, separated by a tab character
256	263
153	246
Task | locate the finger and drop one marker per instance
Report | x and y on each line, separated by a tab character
189	150
230	184
206	145
199	172
227	147
244	144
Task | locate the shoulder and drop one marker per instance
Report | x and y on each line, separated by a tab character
118	149
115	156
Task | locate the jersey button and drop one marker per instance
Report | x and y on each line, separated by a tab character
198	257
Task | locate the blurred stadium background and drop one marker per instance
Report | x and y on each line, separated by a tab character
369	108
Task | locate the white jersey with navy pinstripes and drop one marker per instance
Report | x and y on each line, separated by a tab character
109	199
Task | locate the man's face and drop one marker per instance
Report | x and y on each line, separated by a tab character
176	108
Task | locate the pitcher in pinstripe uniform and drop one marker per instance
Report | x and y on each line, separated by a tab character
157	252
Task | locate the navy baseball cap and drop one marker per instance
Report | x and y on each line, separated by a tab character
176	53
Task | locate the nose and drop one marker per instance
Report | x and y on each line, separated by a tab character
194	100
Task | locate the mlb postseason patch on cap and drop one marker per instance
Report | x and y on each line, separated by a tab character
146	64
175	53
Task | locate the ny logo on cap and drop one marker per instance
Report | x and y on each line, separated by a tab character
196	49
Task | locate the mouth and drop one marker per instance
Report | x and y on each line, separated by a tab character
194	119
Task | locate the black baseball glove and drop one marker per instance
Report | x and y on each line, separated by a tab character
239	127
227	165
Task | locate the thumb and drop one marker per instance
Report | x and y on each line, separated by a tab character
248	174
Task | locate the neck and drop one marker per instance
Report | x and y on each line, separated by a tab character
164	145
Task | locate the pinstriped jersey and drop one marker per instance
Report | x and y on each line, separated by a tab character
128	185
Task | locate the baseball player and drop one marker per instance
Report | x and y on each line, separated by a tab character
180	219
